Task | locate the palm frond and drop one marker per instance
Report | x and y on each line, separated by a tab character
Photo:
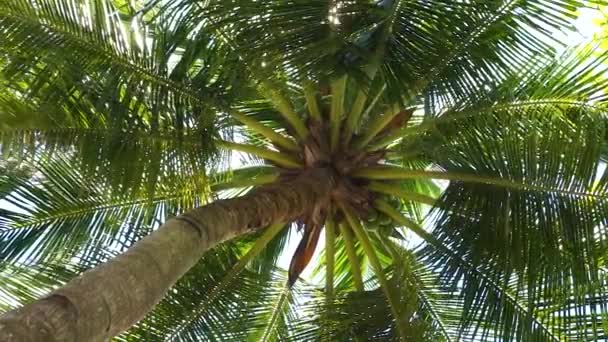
102	80
87	49
560	225
570	83
469	302
133	161
21	284
59	213
367	315
475	44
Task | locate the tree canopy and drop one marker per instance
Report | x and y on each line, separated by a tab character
469	124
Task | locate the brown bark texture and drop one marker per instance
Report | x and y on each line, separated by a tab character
113	296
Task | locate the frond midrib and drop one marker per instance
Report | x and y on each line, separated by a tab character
467	112
423	296
100	208
392	173
275	313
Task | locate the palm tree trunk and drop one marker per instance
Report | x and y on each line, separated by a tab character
113	296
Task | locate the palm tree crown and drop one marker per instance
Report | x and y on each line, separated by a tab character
453	121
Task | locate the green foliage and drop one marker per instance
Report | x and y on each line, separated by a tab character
112	112
104	84
48	211
543	237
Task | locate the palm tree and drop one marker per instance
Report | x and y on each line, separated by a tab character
451	159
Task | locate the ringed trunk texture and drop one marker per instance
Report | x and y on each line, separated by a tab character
113	296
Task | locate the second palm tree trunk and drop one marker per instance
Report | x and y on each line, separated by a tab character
115	295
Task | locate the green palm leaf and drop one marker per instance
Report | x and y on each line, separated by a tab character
59	214
453	121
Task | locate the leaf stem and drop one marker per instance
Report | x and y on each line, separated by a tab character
352	121
338	88
330	237
376	60
275	313
355	266
284	106
354	116
265	131
394	173
378	270
395	190
311	101
376	126
280	158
